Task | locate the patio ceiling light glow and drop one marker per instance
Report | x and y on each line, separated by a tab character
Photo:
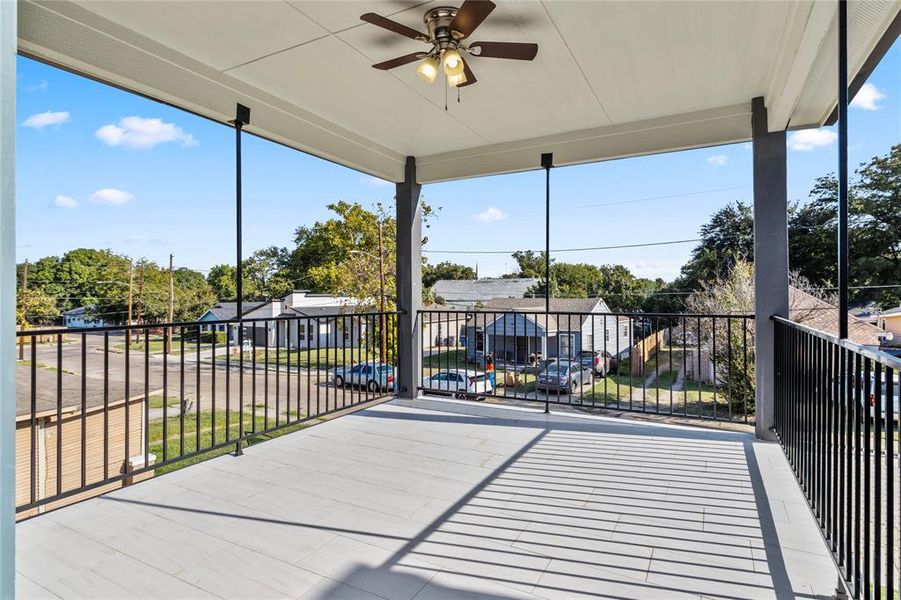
428	69
453	62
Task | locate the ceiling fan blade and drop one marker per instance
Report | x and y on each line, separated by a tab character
471	15
394	26
470	77
514	50
399	61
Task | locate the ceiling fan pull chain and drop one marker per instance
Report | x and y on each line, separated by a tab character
445	98
458	95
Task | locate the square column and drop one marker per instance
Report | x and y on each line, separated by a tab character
770	257
8	42
409	281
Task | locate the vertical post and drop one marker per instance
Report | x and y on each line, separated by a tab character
843	169
547	162
409	281
383	322
171	313
242	118
770	257
7	297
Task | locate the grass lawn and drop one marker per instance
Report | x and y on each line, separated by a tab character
155	432
448	359
156	401
41	365
312	359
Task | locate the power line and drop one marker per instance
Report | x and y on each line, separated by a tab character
643	245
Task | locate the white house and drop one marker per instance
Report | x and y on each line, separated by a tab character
305	320
81	318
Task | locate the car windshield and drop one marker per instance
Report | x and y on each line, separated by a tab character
557	369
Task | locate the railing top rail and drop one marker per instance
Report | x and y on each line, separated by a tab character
540	311
132	327
884	358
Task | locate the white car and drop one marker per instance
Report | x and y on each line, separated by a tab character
458	382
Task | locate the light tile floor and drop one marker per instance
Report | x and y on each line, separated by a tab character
433	499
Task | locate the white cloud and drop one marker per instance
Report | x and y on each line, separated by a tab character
717	160
45	119
868	97
370	180
65	202
38	87
143	134
810	139
111	196
490	214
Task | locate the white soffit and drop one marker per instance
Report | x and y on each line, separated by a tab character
611	79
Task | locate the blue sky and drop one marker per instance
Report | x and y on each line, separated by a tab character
98	167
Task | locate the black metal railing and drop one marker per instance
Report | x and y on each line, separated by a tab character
676	364
99	408
836	416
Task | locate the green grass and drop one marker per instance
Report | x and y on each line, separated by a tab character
450	359
172	442
312	359
156	401
40	365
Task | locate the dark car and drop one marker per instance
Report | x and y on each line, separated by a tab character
562	376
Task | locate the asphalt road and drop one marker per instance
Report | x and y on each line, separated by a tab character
204	382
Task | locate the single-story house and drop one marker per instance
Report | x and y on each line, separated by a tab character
467	293
82	318
807	309
224	311
520	329
331	322
440	329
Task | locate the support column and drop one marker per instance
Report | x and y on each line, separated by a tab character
409	281
770	256
7	298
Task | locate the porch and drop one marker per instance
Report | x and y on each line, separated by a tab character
436	498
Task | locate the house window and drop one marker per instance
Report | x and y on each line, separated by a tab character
606	335
566	345
625	330
590	339
480	340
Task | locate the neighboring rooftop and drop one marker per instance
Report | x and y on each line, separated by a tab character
471	291
807	309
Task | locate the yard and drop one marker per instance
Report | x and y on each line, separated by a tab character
173	438
308	359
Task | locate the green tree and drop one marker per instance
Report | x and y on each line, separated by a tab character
34	306
445	270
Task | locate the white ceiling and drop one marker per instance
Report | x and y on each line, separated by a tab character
611	79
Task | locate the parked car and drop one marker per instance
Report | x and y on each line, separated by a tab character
562	376
459	382
884	396
375	377
599	362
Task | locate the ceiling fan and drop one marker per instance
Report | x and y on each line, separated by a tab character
448	29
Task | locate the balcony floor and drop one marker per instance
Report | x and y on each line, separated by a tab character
444	499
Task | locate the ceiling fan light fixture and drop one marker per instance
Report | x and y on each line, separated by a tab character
455	80
428	69
453	62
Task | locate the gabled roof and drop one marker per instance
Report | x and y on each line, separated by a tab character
229	310
892	312
811	311
482	290
556	322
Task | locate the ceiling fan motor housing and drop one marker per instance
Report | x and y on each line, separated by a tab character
438	21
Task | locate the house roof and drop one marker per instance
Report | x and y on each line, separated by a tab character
892	312
482	290
811	311
229	310
78	311
583	306
673	75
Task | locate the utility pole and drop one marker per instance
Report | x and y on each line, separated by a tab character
24	322
140	303
171	303
382	325
131	278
